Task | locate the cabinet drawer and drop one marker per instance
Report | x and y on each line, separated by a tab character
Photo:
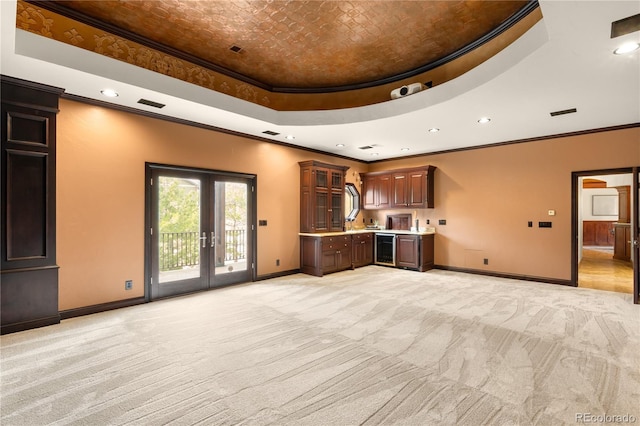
336	246
336	243
363	237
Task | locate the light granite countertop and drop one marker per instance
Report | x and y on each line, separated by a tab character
423	231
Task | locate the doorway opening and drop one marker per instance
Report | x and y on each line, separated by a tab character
201	230
604	216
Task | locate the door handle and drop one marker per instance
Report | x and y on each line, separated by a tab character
213	239
204	239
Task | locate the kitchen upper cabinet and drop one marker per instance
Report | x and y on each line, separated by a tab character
377	191
403	188
321	196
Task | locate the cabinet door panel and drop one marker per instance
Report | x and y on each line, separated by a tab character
399	190
336	212
384	191
344	257
322	207
417	186
322	178
368	193
337	181
329	261
407	251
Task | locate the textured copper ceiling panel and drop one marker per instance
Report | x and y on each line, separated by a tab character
307	44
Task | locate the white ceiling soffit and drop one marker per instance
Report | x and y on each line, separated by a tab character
564	61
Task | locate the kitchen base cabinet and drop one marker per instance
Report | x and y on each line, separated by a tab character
323	255
415	252
336	253
362	250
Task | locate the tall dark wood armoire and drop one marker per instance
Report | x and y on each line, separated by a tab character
28	269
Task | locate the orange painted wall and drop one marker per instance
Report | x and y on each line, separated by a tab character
486	195
101	195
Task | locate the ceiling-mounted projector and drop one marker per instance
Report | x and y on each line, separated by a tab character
407	90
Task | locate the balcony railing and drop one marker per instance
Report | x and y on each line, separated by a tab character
178	250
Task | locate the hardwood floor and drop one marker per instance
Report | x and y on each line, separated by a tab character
599	270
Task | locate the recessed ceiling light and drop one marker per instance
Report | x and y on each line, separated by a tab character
340	145
434	130
404	149
290	137
109	93
374	154
627	48
484	120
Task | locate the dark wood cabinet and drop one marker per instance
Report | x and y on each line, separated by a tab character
402	188
597	233
415	252
336	253
376	190
622	245
362	249
322	189
28	272
323	255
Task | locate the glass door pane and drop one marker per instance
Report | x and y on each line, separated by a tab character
232	231
178	234
337	214
322	210
178	228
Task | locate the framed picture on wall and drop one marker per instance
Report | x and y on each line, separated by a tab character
604	205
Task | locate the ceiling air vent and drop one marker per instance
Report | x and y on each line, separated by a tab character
151	103
563	112
365	147
270	133
625	26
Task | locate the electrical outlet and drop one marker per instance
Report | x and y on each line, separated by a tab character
442	222
277	262
530	224
128	284
486	261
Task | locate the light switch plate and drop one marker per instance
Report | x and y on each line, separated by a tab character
552	212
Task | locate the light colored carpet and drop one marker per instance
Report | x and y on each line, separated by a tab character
370	346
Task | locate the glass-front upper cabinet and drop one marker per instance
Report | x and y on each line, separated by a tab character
321	196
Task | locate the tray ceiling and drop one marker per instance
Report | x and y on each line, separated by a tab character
285	45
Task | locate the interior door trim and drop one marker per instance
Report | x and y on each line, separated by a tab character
635	233
253	219
574	221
